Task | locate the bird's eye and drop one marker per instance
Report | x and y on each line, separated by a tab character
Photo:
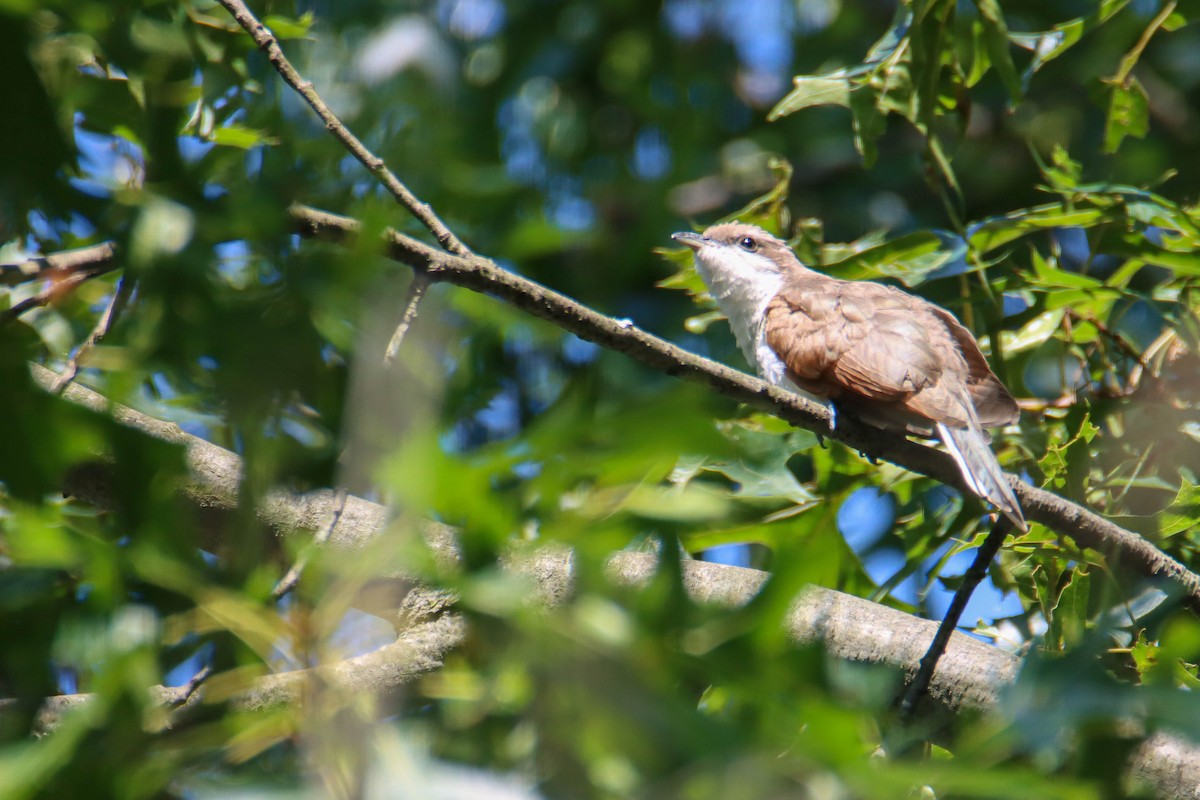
748	243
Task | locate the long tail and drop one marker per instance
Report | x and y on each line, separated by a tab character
981	471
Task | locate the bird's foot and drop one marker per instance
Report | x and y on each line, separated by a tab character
832	423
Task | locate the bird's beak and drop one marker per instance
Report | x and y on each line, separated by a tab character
689	239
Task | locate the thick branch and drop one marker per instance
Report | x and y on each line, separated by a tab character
1086	528
381	672
969	676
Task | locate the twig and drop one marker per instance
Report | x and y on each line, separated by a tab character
267	42
1131	58
95	260
971	578
416	291
1123	344
103	325
181	695
289	581
45	296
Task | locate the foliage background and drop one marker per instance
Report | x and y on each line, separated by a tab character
1028	165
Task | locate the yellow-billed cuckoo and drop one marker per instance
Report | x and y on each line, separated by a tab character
896	361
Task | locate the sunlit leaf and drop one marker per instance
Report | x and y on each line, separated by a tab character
241	137
1034	332
290	27
813	90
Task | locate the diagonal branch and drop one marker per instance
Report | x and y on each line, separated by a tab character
267	42
974	575
102	328
1085	527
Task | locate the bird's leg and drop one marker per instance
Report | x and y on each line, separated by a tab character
833	418
832	422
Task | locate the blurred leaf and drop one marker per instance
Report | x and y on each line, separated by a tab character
233	135
769	211
1064	464
1035	332
995	32
1128	114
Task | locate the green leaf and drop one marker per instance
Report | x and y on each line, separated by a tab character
998	231
869	124
1044	274
1061	464
813	90
762	471
909	258
1136	246
1063	172
234	135
699	323
1049	45
769	211
1068	622
288	27
1128	114
693	503
1174	22
931	54
1035	332
995	36
1184	512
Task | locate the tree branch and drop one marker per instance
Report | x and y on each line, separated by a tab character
976	573
970	675
482	275
381	672
95	260
1086	528
102	328
267	42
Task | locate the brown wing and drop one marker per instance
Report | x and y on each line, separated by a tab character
994	405
859	340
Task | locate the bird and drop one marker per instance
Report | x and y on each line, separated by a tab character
894	360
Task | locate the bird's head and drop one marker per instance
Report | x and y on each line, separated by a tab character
740	253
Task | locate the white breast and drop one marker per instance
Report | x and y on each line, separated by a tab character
742	291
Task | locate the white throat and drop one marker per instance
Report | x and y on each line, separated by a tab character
742	284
